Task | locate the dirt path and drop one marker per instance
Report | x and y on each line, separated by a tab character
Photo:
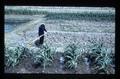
28	26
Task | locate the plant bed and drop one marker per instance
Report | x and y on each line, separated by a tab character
101	58
43	57
71	56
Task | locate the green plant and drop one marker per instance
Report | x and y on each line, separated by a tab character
71	55
100	57
44	56
104	61
13	55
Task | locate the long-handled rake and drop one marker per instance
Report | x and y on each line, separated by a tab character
33	40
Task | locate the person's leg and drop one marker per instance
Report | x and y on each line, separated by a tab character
37	43
41	40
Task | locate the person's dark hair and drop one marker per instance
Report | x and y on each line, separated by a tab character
42	26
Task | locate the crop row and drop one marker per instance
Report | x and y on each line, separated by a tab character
110	16
98	57
82	16
24	11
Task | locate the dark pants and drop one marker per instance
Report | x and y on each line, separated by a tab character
41	40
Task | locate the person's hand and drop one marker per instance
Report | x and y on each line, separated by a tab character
45	33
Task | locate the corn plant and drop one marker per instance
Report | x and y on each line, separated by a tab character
13	55
100	58
104	61
71	56
43	56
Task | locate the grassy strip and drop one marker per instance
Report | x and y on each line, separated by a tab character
24	12
66	16
81	16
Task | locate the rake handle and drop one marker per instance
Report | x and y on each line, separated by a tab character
38	37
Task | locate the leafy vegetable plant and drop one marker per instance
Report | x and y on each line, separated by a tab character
13	55
43	56
100	58
71	56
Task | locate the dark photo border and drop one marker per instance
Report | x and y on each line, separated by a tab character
68	3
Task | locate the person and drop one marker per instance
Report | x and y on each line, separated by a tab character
40	38
41	32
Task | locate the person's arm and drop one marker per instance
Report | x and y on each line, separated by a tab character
39	32
45	30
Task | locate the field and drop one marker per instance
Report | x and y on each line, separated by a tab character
73	33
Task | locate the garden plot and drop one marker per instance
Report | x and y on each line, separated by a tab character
70	34
61	39
80	26
54	39
57	35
